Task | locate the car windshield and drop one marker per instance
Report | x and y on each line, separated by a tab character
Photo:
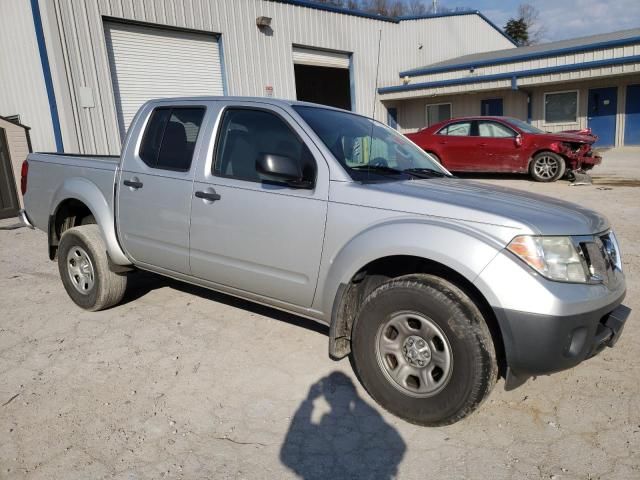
367	149
524	126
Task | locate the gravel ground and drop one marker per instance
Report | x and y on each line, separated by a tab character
180	382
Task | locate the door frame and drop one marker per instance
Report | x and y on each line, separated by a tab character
615	114
627	123
10	211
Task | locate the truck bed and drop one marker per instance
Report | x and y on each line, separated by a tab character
51	173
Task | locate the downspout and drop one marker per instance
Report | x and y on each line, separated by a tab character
46	72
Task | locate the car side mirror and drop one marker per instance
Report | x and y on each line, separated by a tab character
280	168
518	140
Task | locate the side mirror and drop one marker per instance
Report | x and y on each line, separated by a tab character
280	168
518	140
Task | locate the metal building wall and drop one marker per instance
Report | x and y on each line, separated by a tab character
583	98
533	64
22	87
254	59
412	113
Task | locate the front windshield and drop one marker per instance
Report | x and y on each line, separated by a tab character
367	149
524	126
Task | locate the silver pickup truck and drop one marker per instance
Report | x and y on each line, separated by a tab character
432	285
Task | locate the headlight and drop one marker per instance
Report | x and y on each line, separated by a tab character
610	243
556	258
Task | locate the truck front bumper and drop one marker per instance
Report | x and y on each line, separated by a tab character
542	344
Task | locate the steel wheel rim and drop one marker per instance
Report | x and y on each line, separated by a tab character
80	270
417	358
546	166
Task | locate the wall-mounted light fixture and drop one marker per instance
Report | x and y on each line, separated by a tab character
263	22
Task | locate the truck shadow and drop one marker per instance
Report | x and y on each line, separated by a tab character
335	434
141	283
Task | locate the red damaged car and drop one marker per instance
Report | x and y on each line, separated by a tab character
505	144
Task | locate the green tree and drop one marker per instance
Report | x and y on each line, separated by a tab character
525	28
518	30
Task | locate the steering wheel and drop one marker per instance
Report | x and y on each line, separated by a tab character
379	162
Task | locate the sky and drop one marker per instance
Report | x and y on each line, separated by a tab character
562	18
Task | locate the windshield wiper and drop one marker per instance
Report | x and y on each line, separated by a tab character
378	169
425	172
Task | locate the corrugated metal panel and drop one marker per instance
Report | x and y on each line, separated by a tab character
22	88
550	47
254	59
149	63
320	58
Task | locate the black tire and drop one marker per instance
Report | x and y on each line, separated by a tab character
104	288
547	167
473	369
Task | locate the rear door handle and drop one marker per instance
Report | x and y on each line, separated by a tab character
211	196
133	184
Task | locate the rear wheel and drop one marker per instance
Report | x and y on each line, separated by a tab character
547	167
84	269
423	351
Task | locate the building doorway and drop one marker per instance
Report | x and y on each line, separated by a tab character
8	197
323	77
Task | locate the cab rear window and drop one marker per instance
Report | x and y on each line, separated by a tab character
170	137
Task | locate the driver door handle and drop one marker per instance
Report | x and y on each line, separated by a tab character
133	184
211	196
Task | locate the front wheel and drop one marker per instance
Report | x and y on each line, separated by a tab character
547	167
423	351
84	269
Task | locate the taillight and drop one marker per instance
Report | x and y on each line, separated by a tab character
23	177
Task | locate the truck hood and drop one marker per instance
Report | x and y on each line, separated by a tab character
472	201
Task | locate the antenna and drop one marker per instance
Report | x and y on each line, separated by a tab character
375	93
434	6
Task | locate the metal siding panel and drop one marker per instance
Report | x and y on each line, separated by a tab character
254	59
23	89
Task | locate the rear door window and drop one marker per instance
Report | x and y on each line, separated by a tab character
170	137
494	129
459	129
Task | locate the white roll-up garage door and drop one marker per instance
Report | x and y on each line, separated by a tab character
150	62
320	58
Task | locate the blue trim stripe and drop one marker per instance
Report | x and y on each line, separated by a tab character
331	8
358	13
511	75
46	71
352	83
518	58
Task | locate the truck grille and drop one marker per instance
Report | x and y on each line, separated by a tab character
602	257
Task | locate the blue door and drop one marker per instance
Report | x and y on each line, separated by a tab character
492	107
392	117
602	108
632	116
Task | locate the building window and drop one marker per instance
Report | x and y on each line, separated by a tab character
561	107
438	112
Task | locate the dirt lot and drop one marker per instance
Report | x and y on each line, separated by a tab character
179	382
